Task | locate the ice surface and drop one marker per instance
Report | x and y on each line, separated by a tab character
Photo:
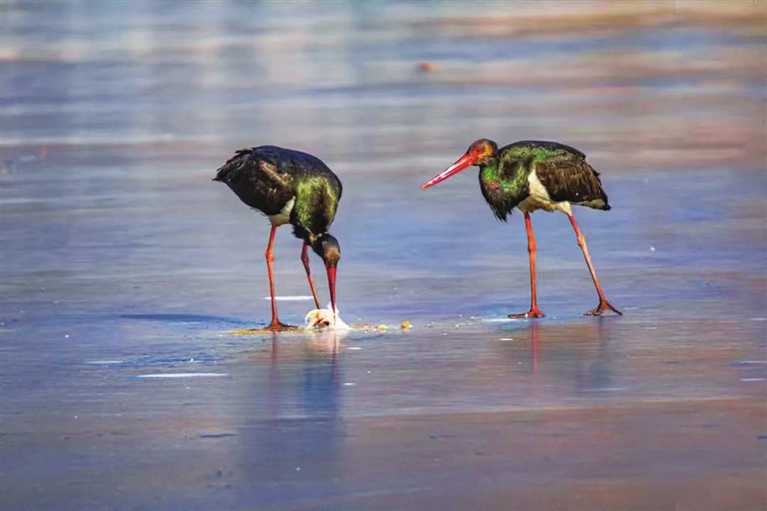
113	120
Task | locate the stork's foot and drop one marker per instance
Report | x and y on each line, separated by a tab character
603	307
535	312
277	326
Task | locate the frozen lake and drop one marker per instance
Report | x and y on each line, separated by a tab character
124	270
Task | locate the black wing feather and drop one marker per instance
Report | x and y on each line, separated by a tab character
257	179
572	180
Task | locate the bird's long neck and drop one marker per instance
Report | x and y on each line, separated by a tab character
497	179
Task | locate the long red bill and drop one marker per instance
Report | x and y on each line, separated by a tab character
332	286
464	161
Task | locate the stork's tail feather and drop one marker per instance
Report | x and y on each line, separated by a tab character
606	204
600	203
223	173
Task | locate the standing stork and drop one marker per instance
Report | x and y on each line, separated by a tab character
289	187
532	175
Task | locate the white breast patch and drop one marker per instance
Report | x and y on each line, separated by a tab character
283	216
539	198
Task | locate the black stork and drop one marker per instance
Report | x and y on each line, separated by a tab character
532	175
289	187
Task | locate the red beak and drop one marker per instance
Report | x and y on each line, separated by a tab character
332	286
464	161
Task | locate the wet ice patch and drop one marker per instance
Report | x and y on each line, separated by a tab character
608	389
180	375
217	435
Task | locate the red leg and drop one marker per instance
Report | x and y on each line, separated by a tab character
603	305
534	311
305	260
276	325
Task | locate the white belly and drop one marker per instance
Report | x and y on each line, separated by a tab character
283	216
539	198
